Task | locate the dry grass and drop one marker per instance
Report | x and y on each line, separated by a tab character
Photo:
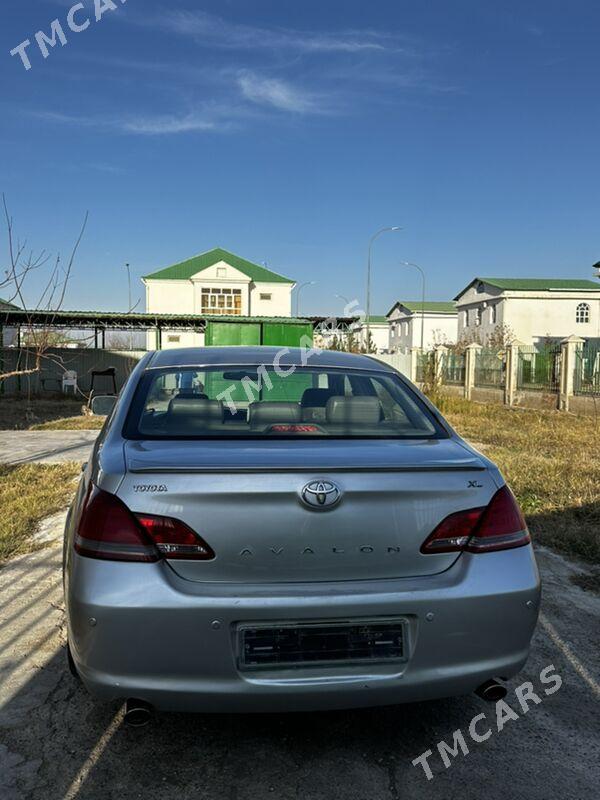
22	414
29	494
71	424
49	414
552	462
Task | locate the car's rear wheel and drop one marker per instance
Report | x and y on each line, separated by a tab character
71	663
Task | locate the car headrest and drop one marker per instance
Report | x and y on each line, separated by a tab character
272	412
197	408
315	398
190	393
361	410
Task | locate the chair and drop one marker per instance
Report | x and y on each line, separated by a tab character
69	380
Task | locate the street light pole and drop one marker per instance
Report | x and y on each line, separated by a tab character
416	266
371	242
129	307
298	290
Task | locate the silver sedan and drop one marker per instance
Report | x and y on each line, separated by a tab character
262	529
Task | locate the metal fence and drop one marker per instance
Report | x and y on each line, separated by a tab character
56	361
586	378
425	367
454	367
490	369
539	369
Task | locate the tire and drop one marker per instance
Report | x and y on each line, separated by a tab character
71	664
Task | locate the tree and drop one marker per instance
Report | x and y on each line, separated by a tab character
49	274
369	348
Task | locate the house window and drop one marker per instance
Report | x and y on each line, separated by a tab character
582	315
492	315
173	339
478	316
221	301
405	328
221	272
265	296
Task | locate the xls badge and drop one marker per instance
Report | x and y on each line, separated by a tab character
321	495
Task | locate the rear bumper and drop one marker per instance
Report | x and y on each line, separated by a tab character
137	630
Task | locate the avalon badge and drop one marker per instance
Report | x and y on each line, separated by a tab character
321	495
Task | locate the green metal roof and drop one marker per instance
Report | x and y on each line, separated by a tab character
432	307
186	269
114	319
375	319
274	320
538	284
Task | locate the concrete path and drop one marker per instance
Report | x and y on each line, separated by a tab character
45	447
57	743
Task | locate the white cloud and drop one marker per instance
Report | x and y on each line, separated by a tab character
276	93
169	123
219	32
149	125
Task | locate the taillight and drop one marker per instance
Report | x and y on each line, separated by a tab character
109	530
498	526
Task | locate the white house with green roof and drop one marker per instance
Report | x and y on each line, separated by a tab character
534	309
380	333
407	318
216	283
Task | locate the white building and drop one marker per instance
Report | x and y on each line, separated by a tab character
380	333
216	283
533	309
406	320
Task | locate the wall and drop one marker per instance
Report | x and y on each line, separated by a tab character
543	400
380	336
167	297
280	304
484	300
485	395
57	360
532	316
438	328
399	361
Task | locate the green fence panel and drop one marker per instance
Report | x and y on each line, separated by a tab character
586	376
490	369
277	334
454	368
227	334
425	367
539	369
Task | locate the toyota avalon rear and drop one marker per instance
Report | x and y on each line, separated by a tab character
260	531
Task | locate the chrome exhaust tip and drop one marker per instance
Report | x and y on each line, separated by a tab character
137	713
491	691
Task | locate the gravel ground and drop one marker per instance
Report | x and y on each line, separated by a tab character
55	742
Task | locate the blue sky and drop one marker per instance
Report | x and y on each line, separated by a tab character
290	132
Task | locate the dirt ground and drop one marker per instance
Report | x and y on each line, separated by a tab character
57	743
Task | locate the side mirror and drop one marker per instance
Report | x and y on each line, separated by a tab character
102	405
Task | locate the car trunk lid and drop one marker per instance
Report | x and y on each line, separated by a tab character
245	499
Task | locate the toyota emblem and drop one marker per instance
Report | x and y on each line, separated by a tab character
321	495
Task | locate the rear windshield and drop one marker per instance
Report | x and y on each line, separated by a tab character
258	402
